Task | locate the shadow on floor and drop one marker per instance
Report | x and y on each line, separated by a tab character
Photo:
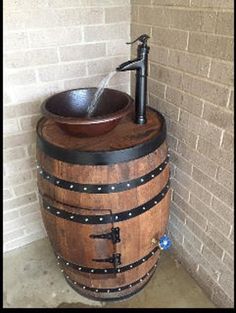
33	280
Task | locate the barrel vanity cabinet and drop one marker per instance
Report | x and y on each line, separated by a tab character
105	203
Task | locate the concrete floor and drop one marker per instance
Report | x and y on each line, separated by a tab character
32	280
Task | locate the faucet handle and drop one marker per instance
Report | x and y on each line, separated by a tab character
143	39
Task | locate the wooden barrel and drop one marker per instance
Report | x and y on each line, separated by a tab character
105	203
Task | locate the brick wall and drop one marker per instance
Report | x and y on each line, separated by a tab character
50	46
191	83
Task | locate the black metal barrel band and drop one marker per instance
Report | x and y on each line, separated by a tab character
102	188
108	218
118	289
102	157
64	263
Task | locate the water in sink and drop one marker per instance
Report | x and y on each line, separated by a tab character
102	85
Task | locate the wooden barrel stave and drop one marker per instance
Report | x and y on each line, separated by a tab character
71	239
99	174
64	234
117	202
111	280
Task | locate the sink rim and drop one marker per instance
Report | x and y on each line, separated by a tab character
88	120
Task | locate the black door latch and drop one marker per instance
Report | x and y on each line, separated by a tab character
115	259
114	235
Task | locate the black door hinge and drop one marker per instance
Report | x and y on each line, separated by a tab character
115	259
114	235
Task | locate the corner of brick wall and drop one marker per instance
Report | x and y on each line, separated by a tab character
191	83
50	46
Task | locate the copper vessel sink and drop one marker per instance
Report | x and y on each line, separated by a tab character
69	110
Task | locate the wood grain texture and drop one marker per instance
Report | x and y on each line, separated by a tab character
125	135
72	240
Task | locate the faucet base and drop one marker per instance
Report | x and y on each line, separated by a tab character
140	120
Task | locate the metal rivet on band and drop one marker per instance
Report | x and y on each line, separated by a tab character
130	286
85	188
41	172
143	260
105	271
71	186
57	182
96	290
155	265
37	166
84	287
118	270
62	270
48	177
92	271
58	257
160	168
67	277
153	253
99	188
58	263
119	289
67	263
128	185
75	282
79	268
142	180
108	290
113	188
141	279
148	274
131	266
153	175
90	219
48	207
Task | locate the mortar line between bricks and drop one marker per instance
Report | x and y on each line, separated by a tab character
214	177
187	44
58	27
205	218
191	178
194	54
228	99
195	76
186	8
211	124
58	46
221	137
58	64
193	234
211	209
216	181
185	30
190	53
209	69
205	79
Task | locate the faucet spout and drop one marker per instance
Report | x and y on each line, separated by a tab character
130	65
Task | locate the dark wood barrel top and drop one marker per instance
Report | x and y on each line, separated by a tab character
125	142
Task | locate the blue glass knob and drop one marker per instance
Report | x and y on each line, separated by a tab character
164	242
